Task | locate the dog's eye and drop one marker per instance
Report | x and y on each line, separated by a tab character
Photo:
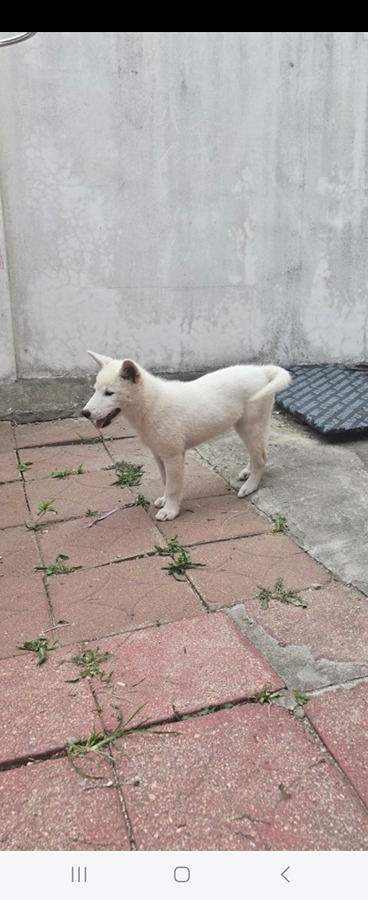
108	393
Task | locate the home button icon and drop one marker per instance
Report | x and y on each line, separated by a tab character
181	873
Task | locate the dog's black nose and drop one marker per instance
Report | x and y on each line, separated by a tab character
86	413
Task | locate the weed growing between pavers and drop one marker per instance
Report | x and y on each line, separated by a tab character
128	474
206	711
98	742
40	647
300	698
93	440
43	507
280	525
279	593
58	568
89	440
92	513
89	662
181	560
172	546
178	566
265	696
142	501
24	466
65	473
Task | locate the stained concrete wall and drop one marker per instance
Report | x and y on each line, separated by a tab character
191	199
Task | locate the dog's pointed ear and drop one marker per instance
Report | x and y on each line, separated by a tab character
129	370
100	360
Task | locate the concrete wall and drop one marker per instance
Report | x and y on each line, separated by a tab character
191	199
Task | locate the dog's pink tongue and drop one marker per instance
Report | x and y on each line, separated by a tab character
100	423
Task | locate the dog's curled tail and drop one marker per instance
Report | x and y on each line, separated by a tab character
278	379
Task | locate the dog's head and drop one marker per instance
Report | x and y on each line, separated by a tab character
115	389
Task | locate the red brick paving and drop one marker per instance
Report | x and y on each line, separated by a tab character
125	533
75	495
180	668
51	806
18	551
235	570
250	777
9	466
118	598
341	720
46	460
333	626
7	439
64	431
199	479
24	612
40	718
132	450
13	507
214	519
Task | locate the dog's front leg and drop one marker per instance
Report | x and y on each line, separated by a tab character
160	502
174	472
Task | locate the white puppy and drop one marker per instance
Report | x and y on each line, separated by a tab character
172	416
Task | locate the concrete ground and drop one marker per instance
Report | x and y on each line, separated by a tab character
320	486
229	714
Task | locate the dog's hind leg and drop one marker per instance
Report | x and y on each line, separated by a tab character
174	473
160	502
253	430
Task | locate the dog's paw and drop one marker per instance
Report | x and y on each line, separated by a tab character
244	474
167	513
160	502
248	488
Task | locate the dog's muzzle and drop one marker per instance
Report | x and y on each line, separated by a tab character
102	423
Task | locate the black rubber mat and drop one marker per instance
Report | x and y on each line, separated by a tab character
330	398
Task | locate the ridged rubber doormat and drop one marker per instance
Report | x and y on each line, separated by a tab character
330	398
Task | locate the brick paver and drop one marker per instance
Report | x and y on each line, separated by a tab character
18	552
199	479
214	519
51	806
24	611
235	570
249	778
13	507
74	495
51	710
118	598
9	466
64	431
7	439
334	625
180	668
46	460
341	719
127	533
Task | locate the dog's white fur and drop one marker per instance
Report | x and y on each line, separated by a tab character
170	417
